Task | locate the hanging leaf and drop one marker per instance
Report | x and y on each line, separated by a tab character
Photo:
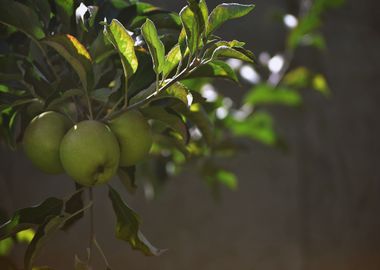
43	233
127	178
124	44
21	17
128	224
214	69
76	55
51	225
192	29
73	205
28	217
225	12
155	45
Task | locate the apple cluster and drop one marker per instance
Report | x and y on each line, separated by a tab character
90	151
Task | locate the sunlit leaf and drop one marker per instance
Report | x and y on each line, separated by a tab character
214	69
192	28
266	94
76	55
177	91
128	226
6	246
21	17
226	51
25	235
225	12
124	44
227	178
171	60
27	217
320	84
155	45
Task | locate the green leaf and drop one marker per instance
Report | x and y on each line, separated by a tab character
124	44
200	15
182	42
172	60
177	91
51	225
299	77
25	236
170	118
214	69
127	178
65	9
226	51
76	55
267	94
197	115
320	84
28	217
204	11
258	126
161	20
227	178
128	226
6	246
144	75
73	205
225	12
192	29
22	18
43	233
155	45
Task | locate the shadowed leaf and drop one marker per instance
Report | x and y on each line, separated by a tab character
76	55
21	17
27	217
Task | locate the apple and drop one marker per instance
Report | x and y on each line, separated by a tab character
90	153
134	135
42	139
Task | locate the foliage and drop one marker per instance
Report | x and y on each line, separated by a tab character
100	60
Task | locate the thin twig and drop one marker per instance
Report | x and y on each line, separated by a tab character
92	231
101	252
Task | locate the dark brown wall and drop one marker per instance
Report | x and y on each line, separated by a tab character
316	207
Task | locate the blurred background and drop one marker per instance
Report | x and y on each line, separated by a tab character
315	206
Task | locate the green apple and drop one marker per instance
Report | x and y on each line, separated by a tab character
90	153
134	135
42	139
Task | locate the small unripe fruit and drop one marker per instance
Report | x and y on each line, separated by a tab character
42	139
134	135
90	153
